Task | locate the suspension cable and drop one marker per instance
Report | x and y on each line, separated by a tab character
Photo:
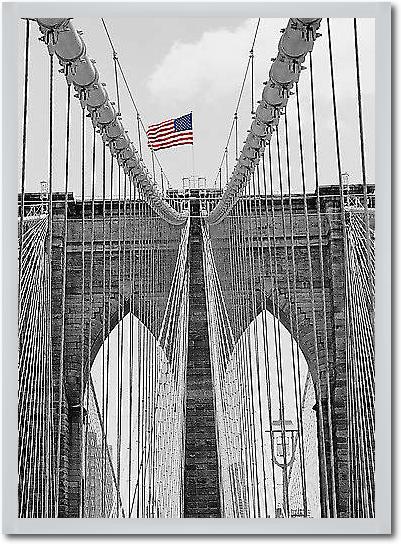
234	123
140	122
24	134
325	337
296	367
362	147
63	296
83	307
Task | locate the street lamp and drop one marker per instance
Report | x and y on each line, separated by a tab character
44	191
284	436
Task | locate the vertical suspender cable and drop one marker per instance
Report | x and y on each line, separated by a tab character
89	352
148	354
124	275
280	368
302	164
162	180
227	173
131	341
296	369
104	443
49	496
256	309
321	260
343	221
236	134
139	352
148	357
277	332
119	373
120	350
245	354
363	165
63	297
268	374
153	166
81	400
23	165
153	266
327	492
108	297
251	55
50	198
248	366
50	210
144	359
262	269
236	355
138	121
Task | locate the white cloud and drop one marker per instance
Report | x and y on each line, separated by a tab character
215	63
207	69
205	76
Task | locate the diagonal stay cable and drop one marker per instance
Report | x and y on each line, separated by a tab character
139	118
234	123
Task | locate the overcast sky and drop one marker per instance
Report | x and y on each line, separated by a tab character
177	65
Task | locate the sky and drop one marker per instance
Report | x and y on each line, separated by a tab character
197	64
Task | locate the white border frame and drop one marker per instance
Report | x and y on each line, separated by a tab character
381	524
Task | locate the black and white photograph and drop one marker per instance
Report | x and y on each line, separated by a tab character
196	266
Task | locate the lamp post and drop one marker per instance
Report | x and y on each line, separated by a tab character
284	453
44	191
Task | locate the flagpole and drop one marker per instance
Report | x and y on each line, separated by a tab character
193	162
193	149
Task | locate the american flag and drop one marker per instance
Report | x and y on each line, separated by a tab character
171	133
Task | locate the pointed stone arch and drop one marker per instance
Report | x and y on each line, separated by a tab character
78	321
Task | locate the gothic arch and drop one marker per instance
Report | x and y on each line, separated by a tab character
306	331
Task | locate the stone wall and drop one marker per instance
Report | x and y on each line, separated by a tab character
136	265
246	279
201	474
120	275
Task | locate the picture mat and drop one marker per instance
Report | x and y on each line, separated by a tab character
381	524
